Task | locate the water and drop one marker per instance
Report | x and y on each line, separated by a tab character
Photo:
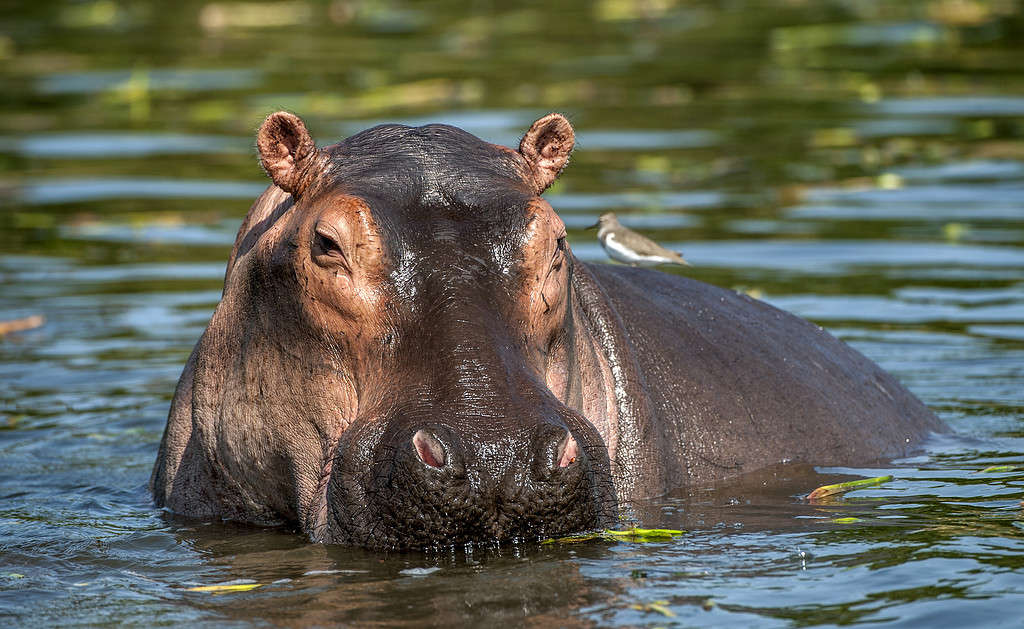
860	164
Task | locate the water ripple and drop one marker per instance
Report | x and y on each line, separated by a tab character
55	191
120	144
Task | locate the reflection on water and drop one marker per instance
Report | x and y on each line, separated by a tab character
968	106
46	192
171	79
105	145
860	164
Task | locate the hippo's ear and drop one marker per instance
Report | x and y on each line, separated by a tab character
286	151
546	147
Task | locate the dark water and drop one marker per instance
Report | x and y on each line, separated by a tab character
858	163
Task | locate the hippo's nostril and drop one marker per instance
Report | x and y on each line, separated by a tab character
428	448
568	450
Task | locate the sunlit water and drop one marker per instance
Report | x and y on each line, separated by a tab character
859	164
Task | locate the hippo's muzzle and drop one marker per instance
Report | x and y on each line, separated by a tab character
436	485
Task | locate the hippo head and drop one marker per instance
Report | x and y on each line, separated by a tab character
391	363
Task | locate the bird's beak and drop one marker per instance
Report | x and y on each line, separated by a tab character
594	226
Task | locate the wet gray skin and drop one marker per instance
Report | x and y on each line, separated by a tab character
408	355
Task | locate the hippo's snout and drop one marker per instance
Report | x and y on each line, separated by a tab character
436	487
555	449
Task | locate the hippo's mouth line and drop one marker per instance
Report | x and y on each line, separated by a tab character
316	520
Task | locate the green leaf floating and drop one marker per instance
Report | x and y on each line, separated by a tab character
629	535
998	468
660	607
220	589
842	488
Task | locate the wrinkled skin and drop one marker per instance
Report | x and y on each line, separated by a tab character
407	354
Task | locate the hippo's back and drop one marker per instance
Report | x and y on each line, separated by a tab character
737	384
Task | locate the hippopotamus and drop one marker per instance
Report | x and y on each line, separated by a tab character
407	354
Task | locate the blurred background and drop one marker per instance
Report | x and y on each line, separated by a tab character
857	162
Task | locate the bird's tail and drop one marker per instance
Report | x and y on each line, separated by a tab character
681	259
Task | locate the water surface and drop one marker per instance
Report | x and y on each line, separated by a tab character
860	164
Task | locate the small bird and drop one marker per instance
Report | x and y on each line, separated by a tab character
625	245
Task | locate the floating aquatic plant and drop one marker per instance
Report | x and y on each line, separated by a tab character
998	468
660	607
841	488
220	589
631	534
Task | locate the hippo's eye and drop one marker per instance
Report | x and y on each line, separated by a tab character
327	251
